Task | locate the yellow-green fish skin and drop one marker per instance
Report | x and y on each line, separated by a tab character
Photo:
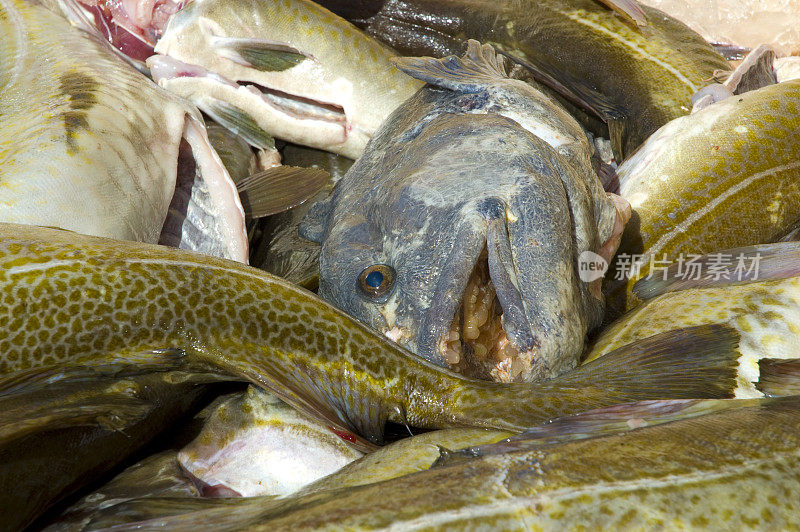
735	468
342	68
648	74
79	300
724	177
87	143
766	314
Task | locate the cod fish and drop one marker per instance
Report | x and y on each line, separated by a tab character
254	444
724	177
158	475
718	466
90	145
79	301
290	69
458	232
761	301
635	78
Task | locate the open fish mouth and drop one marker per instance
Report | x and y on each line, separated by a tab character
489	335
477	344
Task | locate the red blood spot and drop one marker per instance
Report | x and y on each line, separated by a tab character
346	436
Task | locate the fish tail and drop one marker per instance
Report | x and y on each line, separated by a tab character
688	363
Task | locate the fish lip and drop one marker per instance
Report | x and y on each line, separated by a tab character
448	295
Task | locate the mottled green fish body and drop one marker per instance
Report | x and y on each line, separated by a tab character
82	301
764	311
724	177
734	467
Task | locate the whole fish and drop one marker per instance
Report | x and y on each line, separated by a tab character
90	145
727	466
637	78
81	301
459	231
762	305
254	444
290	69
725	177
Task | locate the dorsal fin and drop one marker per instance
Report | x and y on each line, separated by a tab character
479	68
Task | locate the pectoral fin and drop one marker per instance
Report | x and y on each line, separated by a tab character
261	54
237	121
280	188
628	9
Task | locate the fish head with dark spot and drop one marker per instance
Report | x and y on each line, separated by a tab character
458	244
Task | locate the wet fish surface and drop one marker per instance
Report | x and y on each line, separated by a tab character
292	70
90	145
724	177
457	233
731	465
87	302
636	77
254	444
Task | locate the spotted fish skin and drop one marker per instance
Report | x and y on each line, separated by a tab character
89	144
724	177
84	301
647	75
766	315
734	468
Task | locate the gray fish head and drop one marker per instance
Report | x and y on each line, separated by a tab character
460	247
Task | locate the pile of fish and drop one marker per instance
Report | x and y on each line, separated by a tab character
415	264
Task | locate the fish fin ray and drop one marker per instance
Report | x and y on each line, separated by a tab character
763	262
628	9
689	363
779	377
479	68
575	91
262	54
238	122
280	188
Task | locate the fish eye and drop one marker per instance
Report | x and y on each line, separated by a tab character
376	280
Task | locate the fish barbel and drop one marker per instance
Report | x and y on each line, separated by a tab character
724	177
89	144
291	69
70	299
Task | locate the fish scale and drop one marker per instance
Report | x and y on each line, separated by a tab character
724	177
